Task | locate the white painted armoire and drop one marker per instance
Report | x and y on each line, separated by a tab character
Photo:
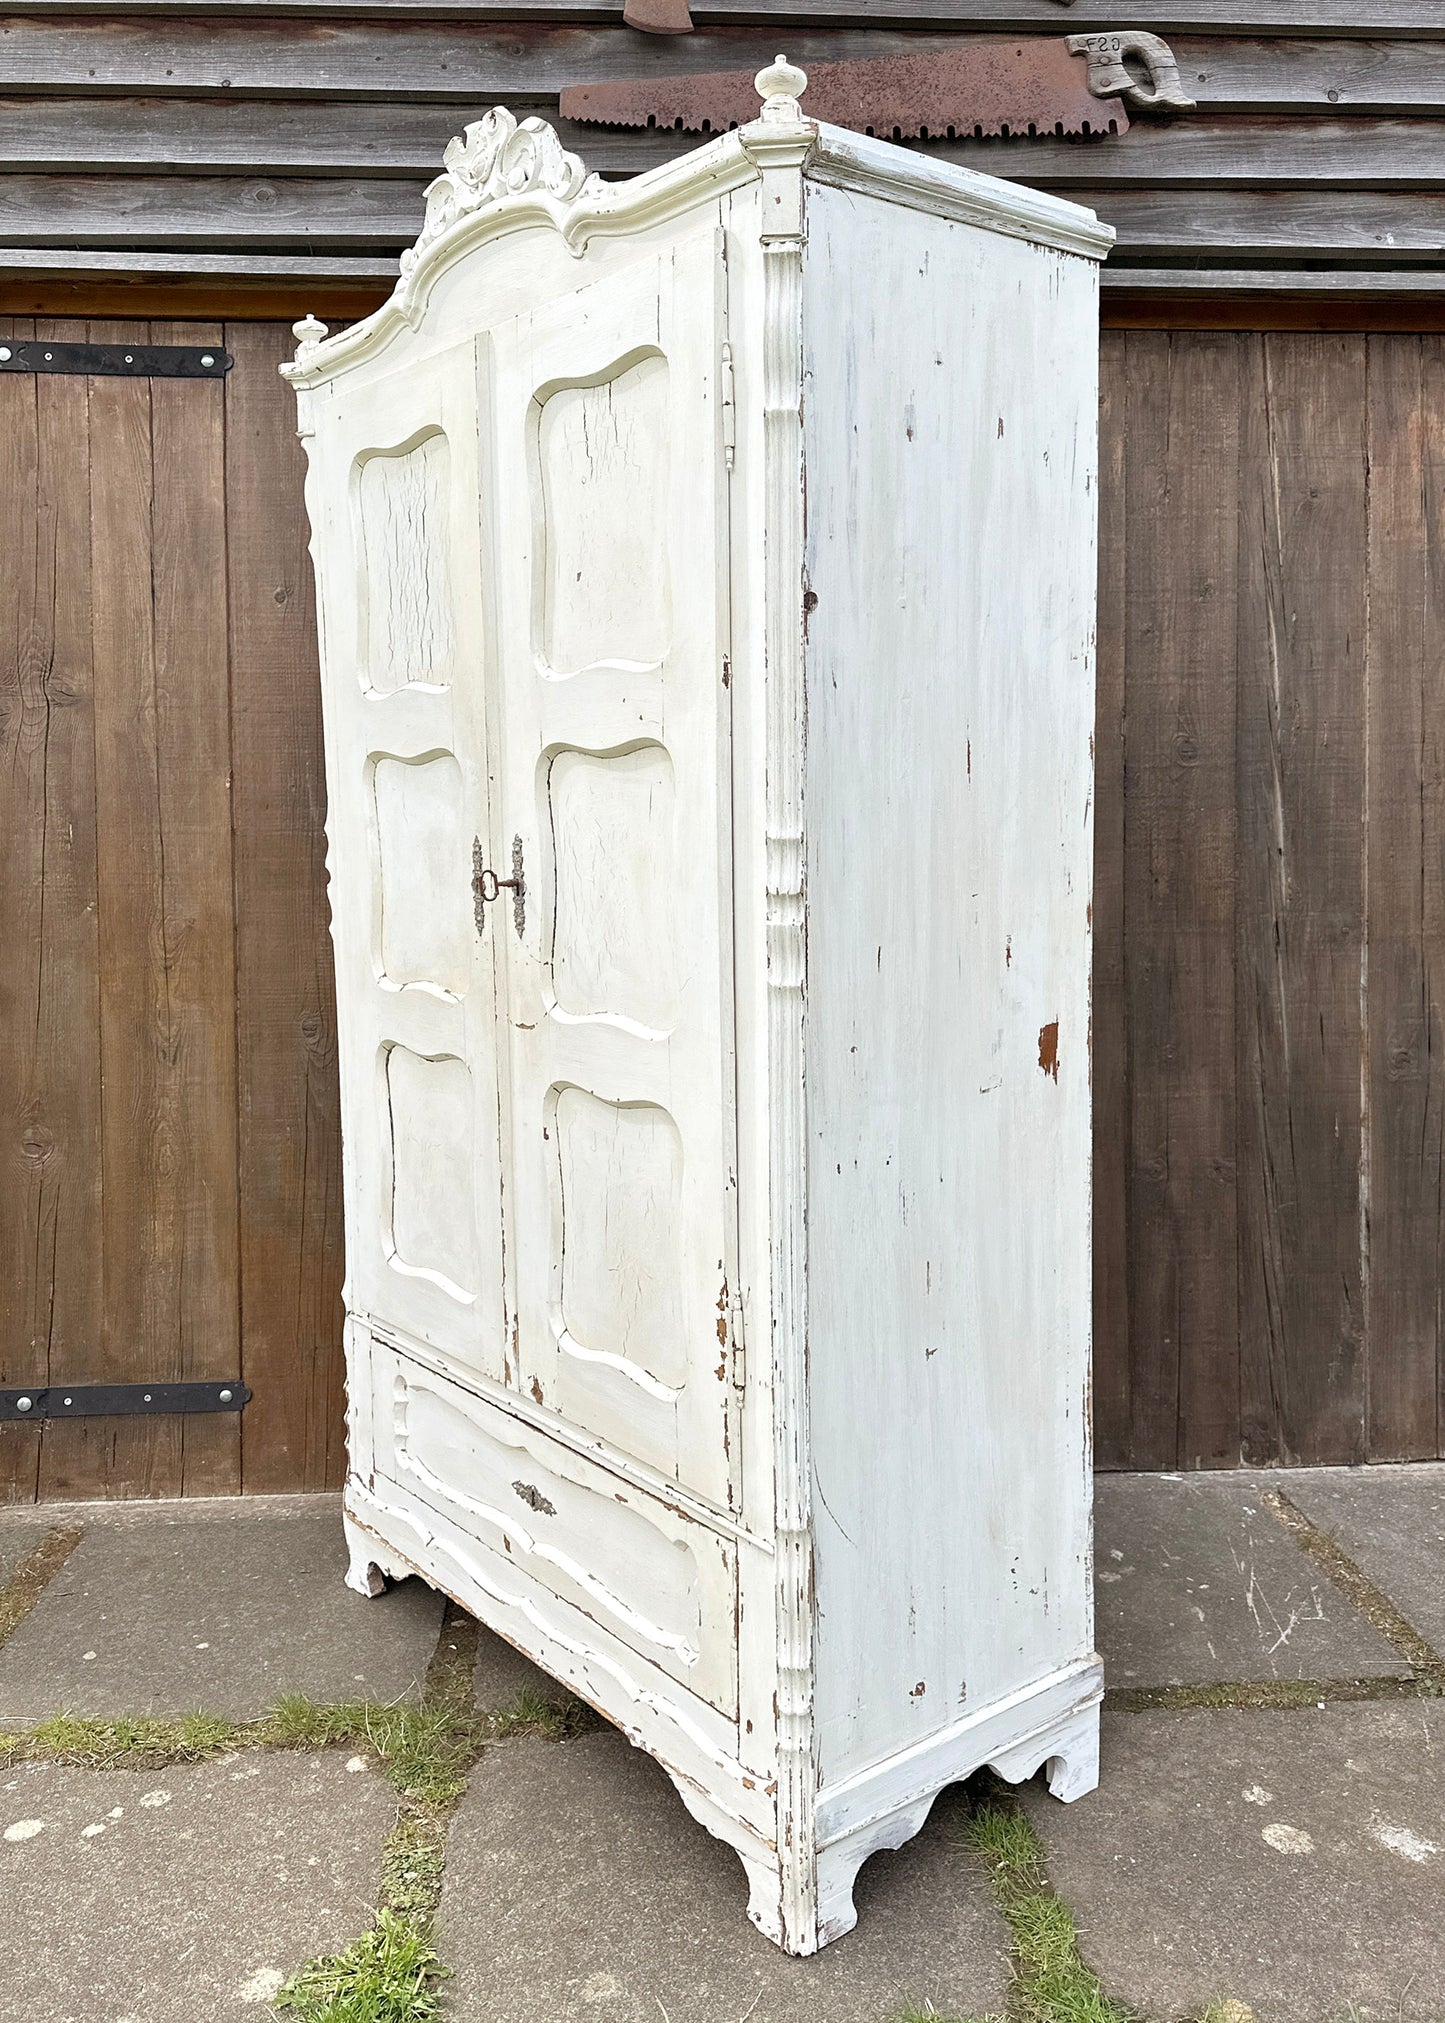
706	585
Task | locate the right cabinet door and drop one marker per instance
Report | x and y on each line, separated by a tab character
612	801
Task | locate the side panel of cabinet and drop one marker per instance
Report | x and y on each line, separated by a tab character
608	532
393	495
948	832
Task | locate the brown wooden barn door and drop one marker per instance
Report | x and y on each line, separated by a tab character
1270	961
170	1199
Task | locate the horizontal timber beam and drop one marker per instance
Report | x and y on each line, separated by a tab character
252	138
475	65
1277	17
341	215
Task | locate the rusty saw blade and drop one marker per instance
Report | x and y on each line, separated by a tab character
975	87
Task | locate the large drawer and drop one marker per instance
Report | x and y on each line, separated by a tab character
650	1575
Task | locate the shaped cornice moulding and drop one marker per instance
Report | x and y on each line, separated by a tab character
1111	77
497	157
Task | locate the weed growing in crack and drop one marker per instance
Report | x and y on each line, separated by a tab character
389	1975
1053	1985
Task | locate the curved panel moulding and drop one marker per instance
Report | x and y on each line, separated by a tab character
600	466
424	932
402	505
612	1560
617	1271
429	1126
614	944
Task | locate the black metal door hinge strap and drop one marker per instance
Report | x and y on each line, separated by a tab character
128	361
104	1401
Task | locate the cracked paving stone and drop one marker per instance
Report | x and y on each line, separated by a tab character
1391	1522
580	1890
1197	1583
172	1896
1293	1861
222	1604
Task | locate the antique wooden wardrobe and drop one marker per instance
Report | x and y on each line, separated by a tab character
706	577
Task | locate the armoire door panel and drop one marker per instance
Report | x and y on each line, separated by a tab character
425	933
602	585
403	504
614	777
405	648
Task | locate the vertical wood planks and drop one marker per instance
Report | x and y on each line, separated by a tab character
1330	837
167	993
24	1268
1109	1055
136	1205
290	1133
49	1053
1179	629
140	1125
188	574
1405	845
1300	979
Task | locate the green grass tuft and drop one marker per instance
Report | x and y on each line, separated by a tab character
388	1975
534	1713
139	1742
1053	1984
425	1752
928	2014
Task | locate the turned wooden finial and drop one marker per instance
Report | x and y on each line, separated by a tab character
780	87
310	330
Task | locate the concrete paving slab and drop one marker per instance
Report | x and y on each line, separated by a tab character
171	1896
1197	1582
1391	1522
502	1676
19	1536
580	1890
1291	1861
222	1604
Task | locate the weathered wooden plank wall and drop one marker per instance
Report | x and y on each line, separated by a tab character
268	138
1271	904
170	1205
1270	913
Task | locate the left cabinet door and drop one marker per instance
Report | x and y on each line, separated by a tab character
393	497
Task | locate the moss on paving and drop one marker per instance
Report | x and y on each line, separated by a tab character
1325	1550
34	1575
1283	1694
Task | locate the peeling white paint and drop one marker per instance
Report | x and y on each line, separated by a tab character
25	1829
1255	1794
356	1763
1287	1839
89	1832
1400	1840
155	1799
